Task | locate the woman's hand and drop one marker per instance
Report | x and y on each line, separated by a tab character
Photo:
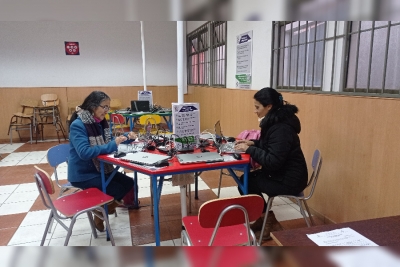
120	139
132	135
241	146
247	142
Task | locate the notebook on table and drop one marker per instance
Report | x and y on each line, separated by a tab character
199	157
145	158
140	106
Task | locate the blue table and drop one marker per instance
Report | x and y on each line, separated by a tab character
157	177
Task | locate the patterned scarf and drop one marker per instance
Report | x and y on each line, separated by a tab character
95	136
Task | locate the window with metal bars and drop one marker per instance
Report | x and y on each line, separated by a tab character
206	50
359	57
374	57
298	55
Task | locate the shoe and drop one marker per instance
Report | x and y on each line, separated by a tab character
111	207
271	225
98	223
257	225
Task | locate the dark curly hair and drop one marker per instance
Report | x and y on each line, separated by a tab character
91	102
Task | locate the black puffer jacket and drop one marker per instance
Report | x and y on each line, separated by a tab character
278	151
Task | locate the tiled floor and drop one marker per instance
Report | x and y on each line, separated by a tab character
23	216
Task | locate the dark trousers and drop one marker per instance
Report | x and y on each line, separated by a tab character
259	183
117	188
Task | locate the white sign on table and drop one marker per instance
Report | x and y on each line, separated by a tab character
146	96
340	237
186	123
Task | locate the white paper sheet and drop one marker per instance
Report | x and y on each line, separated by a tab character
340	237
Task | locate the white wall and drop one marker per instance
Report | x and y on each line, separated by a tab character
32	54
261	62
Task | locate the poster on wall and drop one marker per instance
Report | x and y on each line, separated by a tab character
186	124
71	48
244	53
146	96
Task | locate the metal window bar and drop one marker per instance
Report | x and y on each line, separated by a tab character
305	57
197	50
333	56
281	50
386	57
298	51
323	55
315	48
284	50
357	55
218	53
371	48
271	70
290	54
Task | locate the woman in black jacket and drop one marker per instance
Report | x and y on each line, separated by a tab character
283	167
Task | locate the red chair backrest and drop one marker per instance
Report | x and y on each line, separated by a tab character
210	211
117	118
46	180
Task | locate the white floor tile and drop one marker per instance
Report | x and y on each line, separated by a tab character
277	201
286	212
9	163
16	156
3	197
16	207
8	189
28	161
27	234
22	196
35	218
77	240
81	227
169	243
231	191
122	237
10	148
177	242
26	188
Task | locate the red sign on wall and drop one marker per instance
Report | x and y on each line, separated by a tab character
71	48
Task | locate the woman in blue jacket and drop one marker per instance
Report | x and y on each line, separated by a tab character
90	137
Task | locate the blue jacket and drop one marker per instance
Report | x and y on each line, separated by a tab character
80	165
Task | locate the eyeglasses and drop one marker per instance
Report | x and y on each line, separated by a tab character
106	108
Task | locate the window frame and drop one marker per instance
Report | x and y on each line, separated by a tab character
345	55
213	75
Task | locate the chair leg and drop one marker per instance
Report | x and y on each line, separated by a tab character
90	217
219	185
269	204
47	228
69	233
108	227
190	198
302	212
309	213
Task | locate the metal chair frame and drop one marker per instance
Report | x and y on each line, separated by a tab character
316	165
55	215
251	239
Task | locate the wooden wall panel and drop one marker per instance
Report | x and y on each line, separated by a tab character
10	98
357	136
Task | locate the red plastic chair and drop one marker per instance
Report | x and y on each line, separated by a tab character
71	206
223	222
118	124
